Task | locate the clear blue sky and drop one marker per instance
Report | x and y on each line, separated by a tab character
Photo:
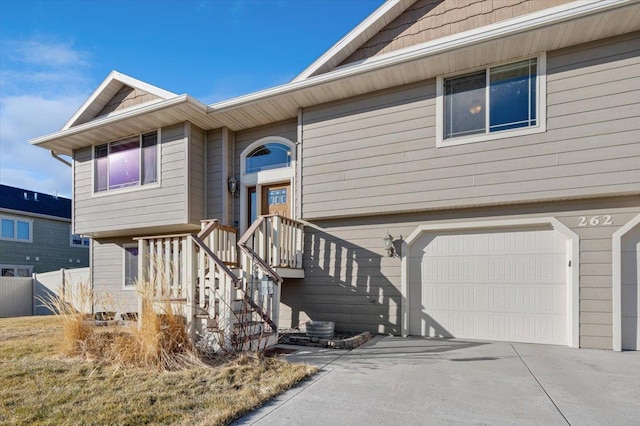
54	53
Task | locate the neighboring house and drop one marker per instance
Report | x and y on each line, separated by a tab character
36	234
461	168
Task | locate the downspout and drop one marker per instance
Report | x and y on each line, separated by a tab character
60	159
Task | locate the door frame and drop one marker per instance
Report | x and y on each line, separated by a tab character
265	177
572	250
617	280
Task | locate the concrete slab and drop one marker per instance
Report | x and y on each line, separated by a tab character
407	381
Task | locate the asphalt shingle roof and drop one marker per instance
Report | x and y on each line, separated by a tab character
34	202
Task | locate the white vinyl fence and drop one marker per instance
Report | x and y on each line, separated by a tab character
16	296
23	296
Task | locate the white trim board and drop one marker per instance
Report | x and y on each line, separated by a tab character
617	279
117	77
573	272
355	38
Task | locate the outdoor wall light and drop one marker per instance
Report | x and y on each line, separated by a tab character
233	186
388	245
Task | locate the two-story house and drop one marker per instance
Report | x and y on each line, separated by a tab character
461	168
36	234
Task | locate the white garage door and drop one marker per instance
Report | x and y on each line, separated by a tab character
503	285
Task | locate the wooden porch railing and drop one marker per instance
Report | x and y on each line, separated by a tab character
277	240
221	239
196	271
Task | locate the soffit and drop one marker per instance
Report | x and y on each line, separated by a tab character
419	63
162	114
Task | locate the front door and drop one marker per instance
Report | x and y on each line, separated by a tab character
276	199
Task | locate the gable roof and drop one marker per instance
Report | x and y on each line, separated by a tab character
110	88
544	30
348	44
23	200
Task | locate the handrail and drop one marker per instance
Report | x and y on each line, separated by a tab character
153	237
265	266
216	259
211	225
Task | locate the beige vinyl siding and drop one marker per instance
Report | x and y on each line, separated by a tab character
286	129
197	165
125	98
349	279
214	174
376	154
107	270
427	20
144	207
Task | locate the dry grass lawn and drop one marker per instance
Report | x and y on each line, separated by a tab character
38	385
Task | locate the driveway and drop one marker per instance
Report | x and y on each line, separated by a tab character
417	381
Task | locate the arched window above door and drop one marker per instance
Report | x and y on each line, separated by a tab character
268	156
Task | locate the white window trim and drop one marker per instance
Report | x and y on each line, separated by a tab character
135	188
14	267
541	103
124	265
15	228
71	234
265	177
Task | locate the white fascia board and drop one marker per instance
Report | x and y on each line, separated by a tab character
115	118
124	79
36	215
559	14
390	7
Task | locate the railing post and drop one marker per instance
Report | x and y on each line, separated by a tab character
143	274
277	227
192	275
275	303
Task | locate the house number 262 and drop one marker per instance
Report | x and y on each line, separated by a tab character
595	220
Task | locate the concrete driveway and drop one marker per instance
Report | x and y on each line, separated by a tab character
416	381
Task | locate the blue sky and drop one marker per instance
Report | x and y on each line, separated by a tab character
54	53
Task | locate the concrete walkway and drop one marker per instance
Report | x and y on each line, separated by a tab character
415	381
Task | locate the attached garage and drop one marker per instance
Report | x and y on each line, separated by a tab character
626	287
508	280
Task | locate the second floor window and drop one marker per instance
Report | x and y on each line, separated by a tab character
125	163
492	101
15	229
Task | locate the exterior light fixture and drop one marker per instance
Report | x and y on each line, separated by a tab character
232	183
388	245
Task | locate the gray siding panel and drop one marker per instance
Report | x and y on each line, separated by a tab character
349	279
214	174
108	275
149	206
197	171
376	154
50	249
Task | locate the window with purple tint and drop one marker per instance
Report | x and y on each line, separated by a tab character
126	163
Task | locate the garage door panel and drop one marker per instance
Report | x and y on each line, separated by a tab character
528	328
490	285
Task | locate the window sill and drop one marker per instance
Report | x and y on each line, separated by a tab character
16	240
440	143
125	190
